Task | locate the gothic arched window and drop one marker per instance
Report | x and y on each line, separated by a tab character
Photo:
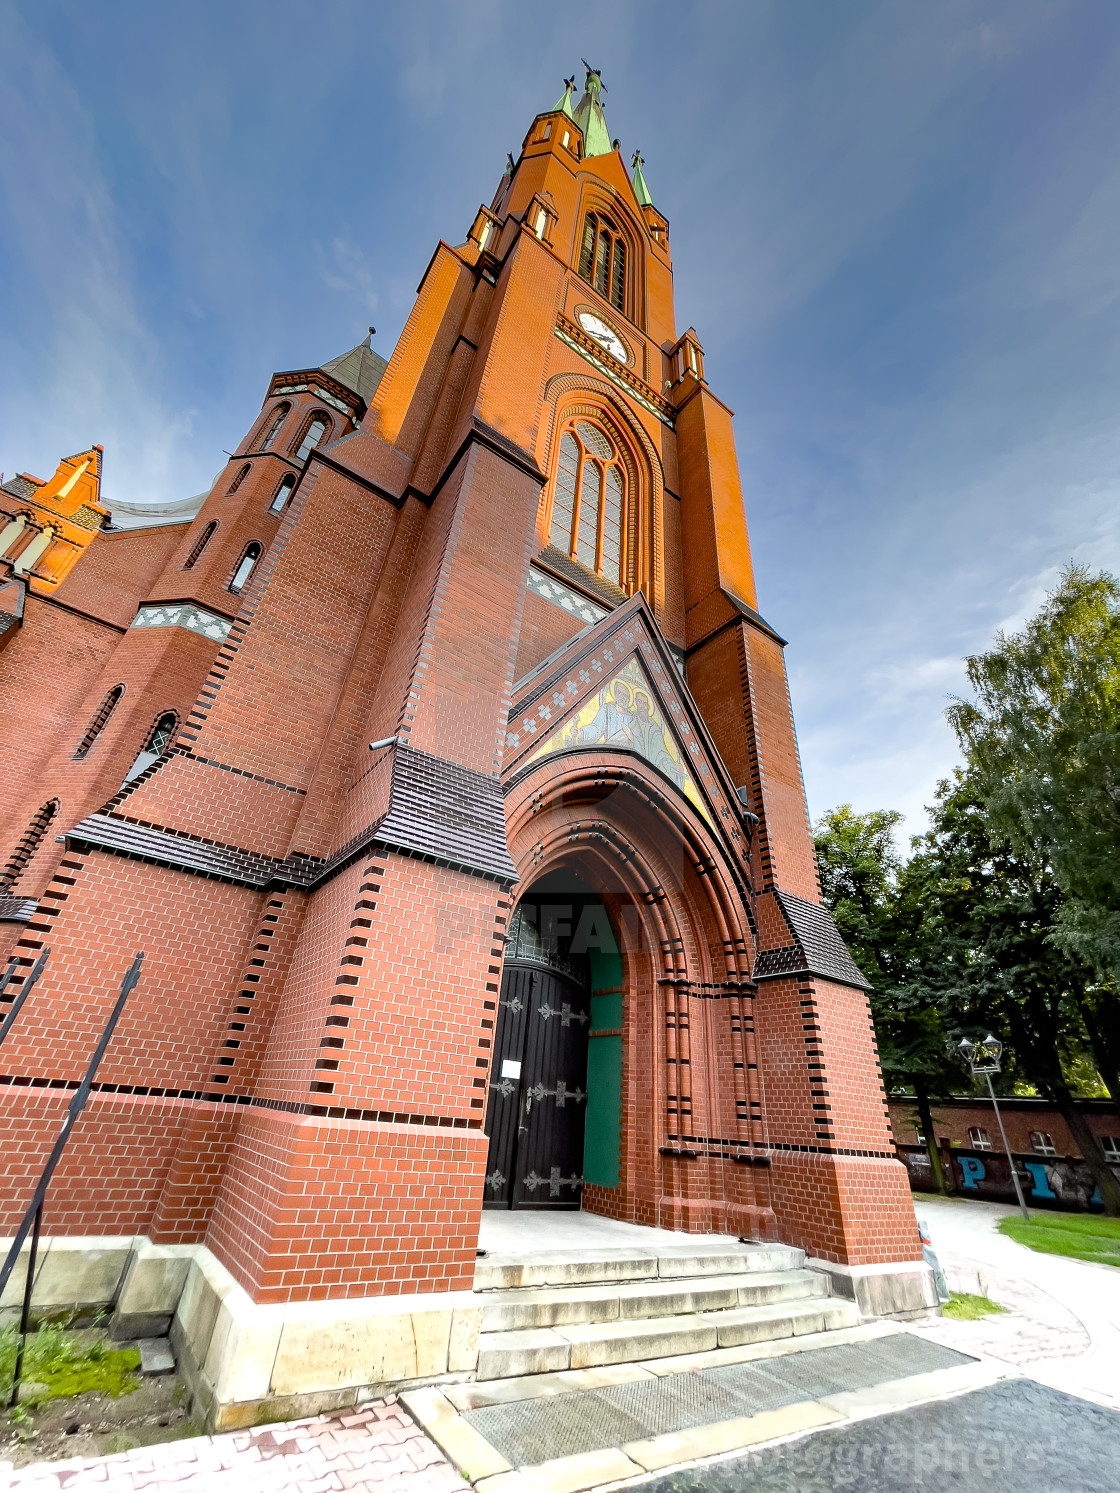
199	545
314	433
283	493
156	746
27	844
273	428
602	259
99	720
245	566
240	478
589	500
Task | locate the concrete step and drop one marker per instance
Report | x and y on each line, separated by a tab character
544	1350
552	1306
499	1272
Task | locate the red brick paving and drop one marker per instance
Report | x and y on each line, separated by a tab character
377	1447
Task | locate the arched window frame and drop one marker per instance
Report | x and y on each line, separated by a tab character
200	544
591	474
270	429
98	721
27	844
283	493
251	553
240	478
304	432
157	744
605	258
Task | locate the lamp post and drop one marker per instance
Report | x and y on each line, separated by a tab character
983	1058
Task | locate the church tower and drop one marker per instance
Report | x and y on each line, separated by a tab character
474	868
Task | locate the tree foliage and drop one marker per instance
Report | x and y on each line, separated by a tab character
1007	914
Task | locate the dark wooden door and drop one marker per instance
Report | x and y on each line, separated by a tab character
538	1096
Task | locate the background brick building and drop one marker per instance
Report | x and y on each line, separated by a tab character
466	634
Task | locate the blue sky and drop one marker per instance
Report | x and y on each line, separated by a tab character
895	227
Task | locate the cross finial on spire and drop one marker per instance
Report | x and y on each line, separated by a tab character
563	104
593	83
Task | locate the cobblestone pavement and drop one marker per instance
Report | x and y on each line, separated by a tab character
376	1448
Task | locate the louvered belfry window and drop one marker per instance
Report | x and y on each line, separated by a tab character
588	500
602	259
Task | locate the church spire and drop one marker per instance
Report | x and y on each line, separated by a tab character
563	104
589	115
638	181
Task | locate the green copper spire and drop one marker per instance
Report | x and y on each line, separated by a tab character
589	115
564	104
638	181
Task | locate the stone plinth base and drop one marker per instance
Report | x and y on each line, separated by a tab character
246	1362
902	1290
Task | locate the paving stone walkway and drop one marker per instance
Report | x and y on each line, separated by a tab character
378	1448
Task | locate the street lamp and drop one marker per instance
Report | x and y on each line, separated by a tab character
983	1058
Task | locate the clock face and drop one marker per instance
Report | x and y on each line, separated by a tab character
604	335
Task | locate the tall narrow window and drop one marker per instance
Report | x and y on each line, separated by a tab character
283	493
602	259
312	436
245	567
99	720
242	474
156	745
199	545
273	428
27	844
589	500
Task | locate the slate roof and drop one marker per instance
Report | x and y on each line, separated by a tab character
17	909
567	569
817	947
359	369
437	810
21	486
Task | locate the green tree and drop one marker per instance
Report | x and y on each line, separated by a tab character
992	952
1042	739
878	906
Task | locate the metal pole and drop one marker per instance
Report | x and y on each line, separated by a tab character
23	992
77	1104
25	1315
1007	1148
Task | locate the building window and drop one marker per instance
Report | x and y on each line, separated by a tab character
919	1138
540	223
283	493
157	744
979	1139
312	436
199	545
240	478
273	428
1042	1143
245	566
602	259
27	844
588	501
99	720
1111	1147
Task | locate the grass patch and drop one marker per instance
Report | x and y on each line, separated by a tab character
964	1307
59	1365
1079	1236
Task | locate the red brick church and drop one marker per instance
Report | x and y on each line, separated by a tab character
442	765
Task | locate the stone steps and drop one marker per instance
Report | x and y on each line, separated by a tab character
556	1306
499	1272
543	1350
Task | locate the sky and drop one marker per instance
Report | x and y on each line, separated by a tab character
895	227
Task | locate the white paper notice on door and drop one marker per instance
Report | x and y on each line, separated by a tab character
510	1069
